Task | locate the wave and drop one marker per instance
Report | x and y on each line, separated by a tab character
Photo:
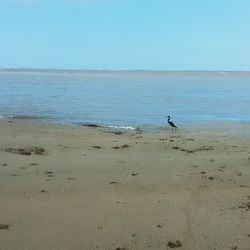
122	127
94	125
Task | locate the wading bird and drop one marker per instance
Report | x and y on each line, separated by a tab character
173	126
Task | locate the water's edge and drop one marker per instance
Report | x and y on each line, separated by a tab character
241	129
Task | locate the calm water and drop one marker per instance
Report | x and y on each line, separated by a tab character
125	99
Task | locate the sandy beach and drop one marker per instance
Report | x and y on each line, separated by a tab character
66	187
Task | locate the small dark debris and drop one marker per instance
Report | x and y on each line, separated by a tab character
248	205
211	160
203	172
92	125
99	228
120	161
48	172
121	248
160	225
23	152
245	206
203	148
4	226
206	148
134	174
211	178
71	178
38	151
113	182
242	206
187	150
97	147
175	244
125	146
26	151
175	148
44	191
4	164
234	248
34	164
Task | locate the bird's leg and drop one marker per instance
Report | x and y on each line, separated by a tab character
172	130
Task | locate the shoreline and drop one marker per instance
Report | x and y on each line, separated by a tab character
218	128
69	187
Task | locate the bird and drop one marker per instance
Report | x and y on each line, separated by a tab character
173	126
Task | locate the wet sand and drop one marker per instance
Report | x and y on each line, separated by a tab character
66	187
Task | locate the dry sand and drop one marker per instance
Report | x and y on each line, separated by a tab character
65	187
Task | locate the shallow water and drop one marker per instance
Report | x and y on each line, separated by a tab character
125	98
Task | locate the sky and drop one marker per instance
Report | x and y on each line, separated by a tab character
125	34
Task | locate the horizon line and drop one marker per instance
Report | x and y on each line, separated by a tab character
120	70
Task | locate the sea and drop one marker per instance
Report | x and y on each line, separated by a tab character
126	99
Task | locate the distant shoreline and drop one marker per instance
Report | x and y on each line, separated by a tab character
124	71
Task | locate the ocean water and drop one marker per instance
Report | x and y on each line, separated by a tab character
126	98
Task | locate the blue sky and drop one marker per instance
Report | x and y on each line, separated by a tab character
125	34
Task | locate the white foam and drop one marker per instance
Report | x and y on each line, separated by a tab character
122	127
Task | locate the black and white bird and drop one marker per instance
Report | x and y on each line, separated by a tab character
173	126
